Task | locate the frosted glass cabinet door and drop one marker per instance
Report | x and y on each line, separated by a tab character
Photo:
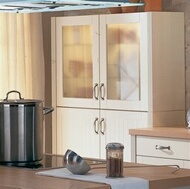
76	42
121	59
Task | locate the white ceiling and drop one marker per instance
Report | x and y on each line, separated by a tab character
22	6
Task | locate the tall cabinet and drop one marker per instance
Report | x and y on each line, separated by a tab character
114	72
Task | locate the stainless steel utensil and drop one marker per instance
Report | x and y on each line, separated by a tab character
75	163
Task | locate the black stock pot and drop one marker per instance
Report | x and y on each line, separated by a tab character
21	129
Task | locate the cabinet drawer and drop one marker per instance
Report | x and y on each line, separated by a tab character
160	161
152	146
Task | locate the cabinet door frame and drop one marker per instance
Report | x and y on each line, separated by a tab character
142	19
73	21
116	127
76	131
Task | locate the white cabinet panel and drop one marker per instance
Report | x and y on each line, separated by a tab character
83	131
153	146
117	124
186	164
75	131
160	151
159	161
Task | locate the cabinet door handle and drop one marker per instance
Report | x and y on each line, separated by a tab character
102	91
96	92
96	127
102	126
158	147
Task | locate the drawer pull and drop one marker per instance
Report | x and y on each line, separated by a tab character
162	147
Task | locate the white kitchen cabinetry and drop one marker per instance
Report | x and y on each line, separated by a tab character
115	72
76	131
81	130
159	150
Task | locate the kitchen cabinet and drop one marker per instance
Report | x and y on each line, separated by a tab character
99	65
161	145
76	130
87	131
115	72
161	150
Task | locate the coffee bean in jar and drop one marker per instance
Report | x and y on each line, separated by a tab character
114	160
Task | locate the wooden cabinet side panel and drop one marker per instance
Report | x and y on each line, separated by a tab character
168	65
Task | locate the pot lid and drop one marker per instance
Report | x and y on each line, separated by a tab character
18	101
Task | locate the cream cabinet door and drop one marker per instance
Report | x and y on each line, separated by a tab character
76	131
76	49
123	61
115	126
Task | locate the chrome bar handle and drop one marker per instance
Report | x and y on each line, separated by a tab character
102	91
158	147
96	92
102	126
96	127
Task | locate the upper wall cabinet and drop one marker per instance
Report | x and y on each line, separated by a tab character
99	62
120	61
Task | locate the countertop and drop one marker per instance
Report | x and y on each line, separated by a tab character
158	177
169	132
22	178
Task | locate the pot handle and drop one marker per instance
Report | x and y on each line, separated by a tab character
47	110
13	91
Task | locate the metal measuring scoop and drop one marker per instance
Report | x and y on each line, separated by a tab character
75	163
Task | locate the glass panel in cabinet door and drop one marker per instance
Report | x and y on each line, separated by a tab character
123	62
77	61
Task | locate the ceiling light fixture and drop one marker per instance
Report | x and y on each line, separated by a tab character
22	6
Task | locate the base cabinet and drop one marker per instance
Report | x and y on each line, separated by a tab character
75	131
163	161
163	151
88	131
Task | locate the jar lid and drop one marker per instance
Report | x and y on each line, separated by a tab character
114	146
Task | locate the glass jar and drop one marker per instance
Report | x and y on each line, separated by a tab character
114	160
